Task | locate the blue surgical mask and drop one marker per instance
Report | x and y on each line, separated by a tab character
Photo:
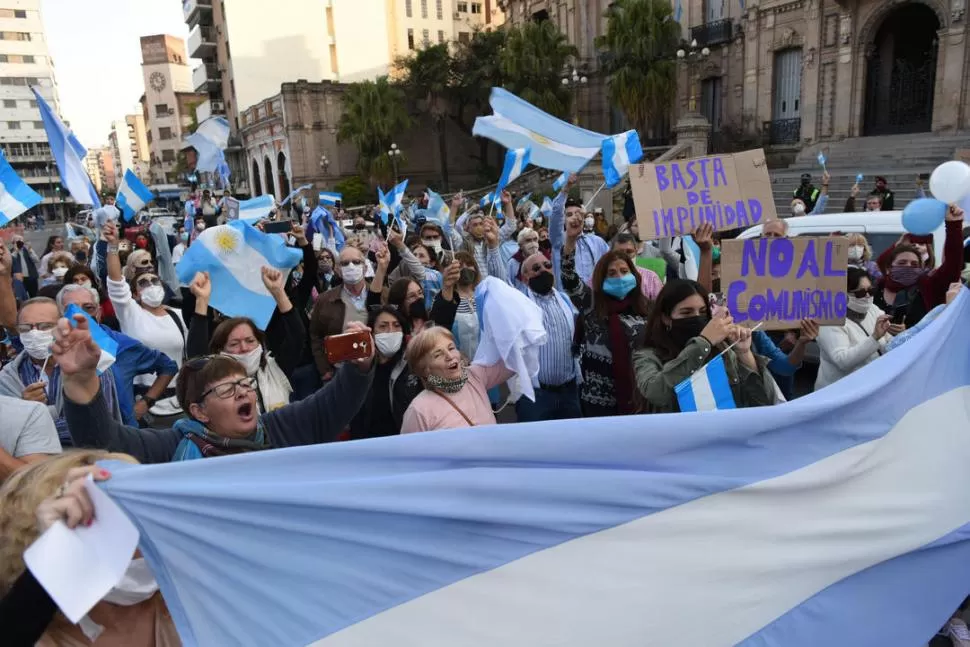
619	286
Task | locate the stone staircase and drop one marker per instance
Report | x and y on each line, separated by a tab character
899	158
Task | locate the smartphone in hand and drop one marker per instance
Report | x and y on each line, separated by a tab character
280	227
348	346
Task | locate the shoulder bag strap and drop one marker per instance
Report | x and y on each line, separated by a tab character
455	407
178	324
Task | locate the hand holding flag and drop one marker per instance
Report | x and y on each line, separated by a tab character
133	195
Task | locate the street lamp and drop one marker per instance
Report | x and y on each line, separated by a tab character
574	81
692	58
324	163
395	155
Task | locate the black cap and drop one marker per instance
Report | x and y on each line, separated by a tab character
880	178
573	202
806	177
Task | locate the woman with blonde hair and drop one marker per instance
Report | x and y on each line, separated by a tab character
455	395
860	255
133	613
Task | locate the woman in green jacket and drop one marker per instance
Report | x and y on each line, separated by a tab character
681	337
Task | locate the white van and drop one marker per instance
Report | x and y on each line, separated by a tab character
881	228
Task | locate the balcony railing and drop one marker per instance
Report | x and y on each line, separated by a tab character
783	131
202	40
191	9
713	33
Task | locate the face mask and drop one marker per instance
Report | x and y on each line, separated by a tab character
855	253
326	267
137	585
81	257
153	296
352	274
418	310
588	222
905	276
466	276
860	306
528	249
20	244
433	243
85	284
798	209
141	244
683	330
59	272
37	343
200	226
619	286
545	244
184	236
250	360
542	283
388	343
446	385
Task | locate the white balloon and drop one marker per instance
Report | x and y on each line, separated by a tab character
950	182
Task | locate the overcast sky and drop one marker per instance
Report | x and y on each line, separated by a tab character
98	70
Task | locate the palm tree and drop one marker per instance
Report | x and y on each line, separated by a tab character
640	40
476	69
532	62
426	78
373	113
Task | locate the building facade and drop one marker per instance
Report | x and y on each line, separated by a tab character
129	147
25	62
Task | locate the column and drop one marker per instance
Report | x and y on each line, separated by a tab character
949	78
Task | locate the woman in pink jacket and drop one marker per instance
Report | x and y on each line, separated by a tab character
454	395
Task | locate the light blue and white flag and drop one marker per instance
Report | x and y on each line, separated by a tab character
16	196
438	211
395	199
487	199
255	209
619	151
210	140
708	389
234	255
859	178
679	9
546	207
108	346
330	198
839	519
523	200
821	159
560	182
555	144
69	155
515	163
322	222
295	192
133	195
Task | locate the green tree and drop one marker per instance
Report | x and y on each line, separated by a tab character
638	57
426	77
532	62
355	192
476	69
374	113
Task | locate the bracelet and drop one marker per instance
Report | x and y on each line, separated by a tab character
113	249
149	400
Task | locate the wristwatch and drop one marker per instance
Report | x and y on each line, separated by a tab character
113	249
149	400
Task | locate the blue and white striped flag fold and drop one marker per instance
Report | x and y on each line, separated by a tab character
487	199
841	519
68	154
295	192
523	200
708	389
330	198
438	211
108	346
560	182
516	162
210	140
16	196
546	207
255	209
133	195
619	151
234	255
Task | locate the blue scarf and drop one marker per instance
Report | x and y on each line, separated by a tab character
198	442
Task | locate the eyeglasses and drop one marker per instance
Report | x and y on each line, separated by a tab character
43	326
862	294
228	390
538	266
347	263
148	281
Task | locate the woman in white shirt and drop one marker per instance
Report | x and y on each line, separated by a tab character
860	340
143	316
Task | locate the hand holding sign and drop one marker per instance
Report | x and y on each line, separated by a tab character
808	331
704	236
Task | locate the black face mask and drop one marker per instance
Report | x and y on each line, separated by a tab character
80	257
20	244
418	311
683	330
545	244
542	283
466	276
359	226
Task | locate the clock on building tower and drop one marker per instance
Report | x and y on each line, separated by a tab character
157	81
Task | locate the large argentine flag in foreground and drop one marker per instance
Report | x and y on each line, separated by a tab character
234	255
16	196
838	520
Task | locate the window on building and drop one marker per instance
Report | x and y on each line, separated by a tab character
32	103
476	7
9	103
410	39
407	8
27	58
424	8
19	13
38	125
425	37
168	155
14	35
13	125
439	10
32	80
148	136
441	36
4	58
161	109
164	133
462	7
464	37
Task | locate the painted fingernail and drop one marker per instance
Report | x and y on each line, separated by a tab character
104	473
90	521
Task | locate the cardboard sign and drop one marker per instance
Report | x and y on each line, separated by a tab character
232	209
728	191
780	281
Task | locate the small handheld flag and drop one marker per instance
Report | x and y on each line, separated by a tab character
523	200
821	159
486	199
68	155
108	346
515	162
16	196
858	178
619	151
210	140
708	389
256	209
546	207
438	211
295	192
330	198
560	182
133	195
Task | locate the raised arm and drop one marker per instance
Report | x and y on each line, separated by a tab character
197	341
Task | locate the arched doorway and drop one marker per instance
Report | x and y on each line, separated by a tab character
901	72
257	185
268	168
284	180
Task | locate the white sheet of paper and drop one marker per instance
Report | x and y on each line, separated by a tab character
79	567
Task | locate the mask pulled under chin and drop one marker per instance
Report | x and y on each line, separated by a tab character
250	360
137	585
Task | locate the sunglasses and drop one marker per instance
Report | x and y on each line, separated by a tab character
148	281
547	265
862	294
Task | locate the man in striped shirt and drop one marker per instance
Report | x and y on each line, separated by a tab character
557	384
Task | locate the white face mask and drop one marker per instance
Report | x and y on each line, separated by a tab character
388	343
200	226
37	343
352	274
85	284
798	209
137	585
530	248
153	296
249	360
860	306
59	272
588	222
434	244
856	252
